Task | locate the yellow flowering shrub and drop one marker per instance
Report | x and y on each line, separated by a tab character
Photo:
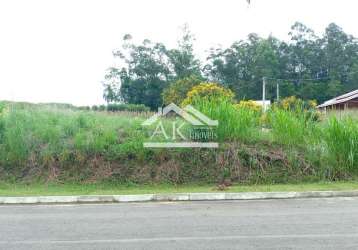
250	104
208	91
177	90
300	107
294	103
290	102
312	103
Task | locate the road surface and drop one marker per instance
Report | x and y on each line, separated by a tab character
330	223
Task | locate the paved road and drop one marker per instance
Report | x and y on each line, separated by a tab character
270	224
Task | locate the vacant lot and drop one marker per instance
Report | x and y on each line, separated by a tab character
61	145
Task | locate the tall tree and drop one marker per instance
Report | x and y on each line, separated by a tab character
242	66
145	72
182	59
308	65
149	68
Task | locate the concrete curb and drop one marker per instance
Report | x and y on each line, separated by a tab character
173	197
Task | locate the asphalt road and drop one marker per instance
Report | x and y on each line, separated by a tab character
269	224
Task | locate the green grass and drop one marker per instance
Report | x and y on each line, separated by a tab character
341	137
234	124
112	188
53	144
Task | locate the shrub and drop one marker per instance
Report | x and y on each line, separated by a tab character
84	108
102	107
298	107
293	103
98	107
127	107
251	105
177	91
211	92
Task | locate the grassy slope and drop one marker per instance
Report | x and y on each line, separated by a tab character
47	144
110	188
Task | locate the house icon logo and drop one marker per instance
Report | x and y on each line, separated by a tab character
192	130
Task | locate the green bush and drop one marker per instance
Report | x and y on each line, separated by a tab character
177	91
127	107
210	92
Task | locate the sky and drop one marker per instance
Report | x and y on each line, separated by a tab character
58	51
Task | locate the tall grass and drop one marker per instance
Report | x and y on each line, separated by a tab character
36	138
53	134
291	128
341	139
234	123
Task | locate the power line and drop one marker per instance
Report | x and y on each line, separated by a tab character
307	79
299	79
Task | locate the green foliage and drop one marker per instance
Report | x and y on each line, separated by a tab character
234	123
127	107
177	91
330	59
145	76
250	104
301	108
98	108
341	137
295	104
53	144
84	108
209	92
2	119
287	128
316	67
114	107
149	68
182	59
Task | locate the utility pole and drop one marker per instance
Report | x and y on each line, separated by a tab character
264	94
278	92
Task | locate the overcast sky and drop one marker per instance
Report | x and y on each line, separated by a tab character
58	51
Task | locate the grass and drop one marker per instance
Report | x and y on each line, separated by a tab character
50	134
113	188
234	124
51	144
342	141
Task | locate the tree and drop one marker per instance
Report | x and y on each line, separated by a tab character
182	59
341	53
353	77
148	69
242	66
145	73
111	92
308	66
178	90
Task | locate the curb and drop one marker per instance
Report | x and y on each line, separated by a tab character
174	197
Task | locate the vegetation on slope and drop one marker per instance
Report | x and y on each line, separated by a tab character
61	145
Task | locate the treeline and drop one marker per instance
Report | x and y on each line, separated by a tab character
112	107
116	107
307	65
